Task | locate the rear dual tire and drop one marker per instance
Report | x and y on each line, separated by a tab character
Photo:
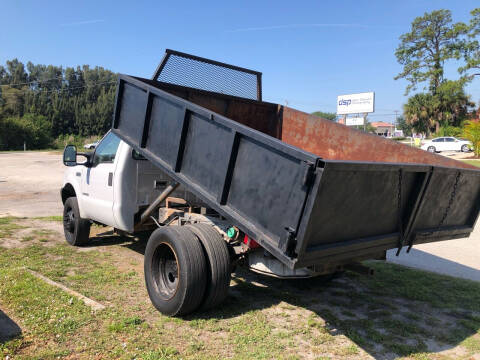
218	265
186	268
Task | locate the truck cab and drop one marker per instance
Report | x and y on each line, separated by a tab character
113	184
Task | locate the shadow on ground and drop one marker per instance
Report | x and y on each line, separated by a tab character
8	328
397	312
387	323
137	243
424	260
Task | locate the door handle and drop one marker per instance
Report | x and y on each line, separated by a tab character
110	179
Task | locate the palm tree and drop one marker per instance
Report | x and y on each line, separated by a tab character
419	112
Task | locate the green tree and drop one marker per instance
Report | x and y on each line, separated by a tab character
419	113
16	73
472	48
433	39
450	131
451	103
368	127
403	125
325	115
13	100
72	100
472	133
2	101
428	113
33	130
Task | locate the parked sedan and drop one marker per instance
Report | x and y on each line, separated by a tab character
91	146
446	143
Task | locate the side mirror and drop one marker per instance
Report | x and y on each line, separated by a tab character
70	155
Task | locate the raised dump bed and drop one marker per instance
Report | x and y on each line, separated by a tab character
310	191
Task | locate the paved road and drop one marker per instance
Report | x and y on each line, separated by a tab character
460	258
30	184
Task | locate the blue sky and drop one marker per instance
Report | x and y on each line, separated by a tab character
309	51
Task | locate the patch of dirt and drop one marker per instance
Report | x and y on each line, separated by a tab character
459	155
56	226
21	195
32	231
11	243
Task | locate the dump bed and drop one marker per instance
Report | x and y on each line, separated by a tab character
310	191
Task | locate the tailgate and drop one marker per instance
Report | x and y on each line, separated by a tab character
358	208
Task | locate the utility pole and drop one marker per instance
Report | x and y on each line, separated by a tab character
395	123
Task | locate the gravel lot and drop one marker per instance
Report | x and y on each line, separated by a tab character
30	183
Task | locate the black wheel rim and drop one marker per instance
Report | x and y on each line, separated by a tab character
165	271
69	220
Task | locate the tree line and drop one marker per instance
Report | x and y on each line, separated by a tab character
42	103
442	107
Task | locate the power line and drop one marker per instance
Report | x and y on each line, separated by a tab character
37	81
33	82
374	114
69	88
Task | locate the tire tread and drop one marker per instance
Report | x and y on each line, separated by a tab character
218	264
192	269
81	236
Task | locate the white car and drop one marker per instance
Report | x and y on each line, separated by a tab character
91	146
446	143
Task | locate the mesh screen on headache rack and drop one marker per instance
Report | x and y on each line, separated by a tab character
204	74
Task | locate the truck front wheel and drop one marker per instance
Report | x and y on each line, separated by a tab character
77	230
175	270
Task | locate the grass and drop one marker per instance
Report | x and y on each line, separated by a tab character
473	162
49	218
8	226
398	311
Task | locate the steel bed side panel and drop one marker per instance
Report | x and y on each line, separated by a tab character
302	209
255	180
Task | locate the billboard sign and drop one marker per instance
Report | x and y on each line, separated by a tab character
356	103
355	121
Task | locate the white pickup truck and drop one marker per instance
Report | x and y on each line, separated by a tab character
224	178
115	185
110	188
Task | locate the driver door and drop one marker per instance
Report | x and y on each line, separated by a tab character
450	144
97	184
439	144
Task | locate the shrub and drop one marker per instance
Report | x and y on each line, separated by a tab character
472	132
450	131
70	139
33	130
